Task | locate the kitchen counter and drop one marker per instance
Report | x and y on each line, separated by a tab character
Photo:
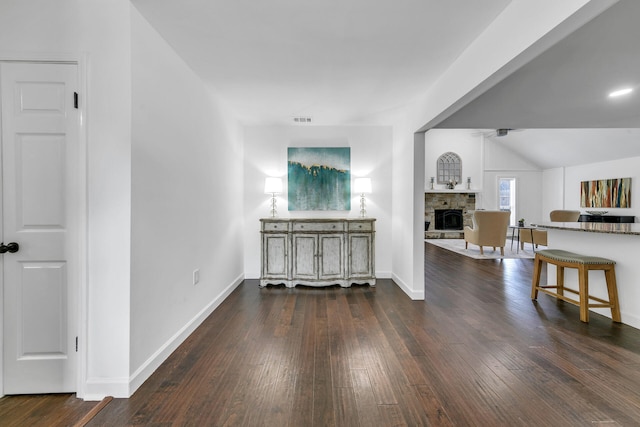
618	242
593	227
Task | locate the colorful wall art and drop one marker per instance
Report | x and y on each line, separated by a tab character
606	193
319	179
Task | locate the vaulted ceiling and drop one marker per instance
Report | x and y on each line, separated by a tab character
559	102
342	61
334	60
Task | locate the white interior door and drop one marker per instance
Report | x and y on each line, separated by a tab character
39	138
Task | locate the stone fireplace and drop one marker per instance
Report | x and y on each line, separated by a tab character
454	212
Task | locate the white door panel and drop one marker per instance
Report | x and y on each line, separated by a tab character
43	305
39	139
40	165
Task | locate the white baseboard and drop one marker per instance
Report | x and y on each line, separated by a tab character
96	389
414	295
153	362
627	318
384	275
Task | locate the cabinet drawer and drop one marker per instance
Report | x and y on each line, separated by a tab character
318	226
280	226
360	226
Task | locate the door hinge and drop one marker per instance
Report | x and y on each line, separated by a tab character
76	344
75	100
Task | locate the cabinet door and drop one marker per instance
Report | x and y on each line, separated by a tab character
274	256
305	256
360	255
331	256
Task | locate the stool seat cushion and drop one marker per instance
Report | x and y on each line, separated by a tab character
566	256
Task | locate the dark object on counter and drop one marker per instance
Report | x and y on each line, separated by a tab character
607	218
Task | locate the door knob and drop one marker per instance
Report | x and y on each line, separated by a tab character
12	247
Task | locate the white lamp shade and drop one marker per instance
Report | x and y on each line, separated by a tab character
362	185
273	185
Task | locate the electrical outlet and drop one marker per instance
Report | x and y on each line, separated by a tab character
196	276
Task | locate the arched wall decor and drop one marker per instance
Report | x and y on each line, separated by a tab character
449	168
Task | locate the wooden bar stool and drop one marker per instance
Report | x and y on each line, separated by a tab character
564	259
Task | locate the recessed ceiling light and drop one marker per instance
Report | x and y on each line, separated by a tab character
620	92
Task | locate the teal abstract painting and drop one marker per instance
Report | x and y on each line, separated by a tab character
319	179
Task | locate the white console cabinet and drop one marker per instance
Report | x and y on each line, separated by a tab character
318	252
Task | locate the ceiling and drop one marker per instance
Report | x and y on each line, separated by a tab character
341	61
336	61
553	148
559	101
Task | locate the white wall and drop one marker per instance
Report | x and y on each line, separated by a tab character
623	168
104	36
265	149
552	191
500	162
528	193
39	26
408	205
97	30
186	181
465	143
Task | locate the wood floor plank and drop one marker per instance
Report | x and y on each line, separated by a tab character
391	415
365	399
43	410
323	391
508	391
433	407
303	396
339	357
375	366
346	409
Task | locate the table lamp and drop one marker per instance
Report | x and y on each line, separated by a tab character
273	186
362	186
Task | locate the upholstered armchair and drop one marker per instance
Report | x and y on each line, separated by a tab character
489	229
564	216
540	236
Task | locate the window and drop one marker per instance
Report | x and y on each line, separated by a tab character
449	167
507	197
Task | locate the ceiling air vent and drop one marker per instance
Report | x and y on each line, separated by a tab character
301	119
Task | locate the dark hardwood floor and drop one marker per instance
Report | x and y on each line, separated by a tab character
477	352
